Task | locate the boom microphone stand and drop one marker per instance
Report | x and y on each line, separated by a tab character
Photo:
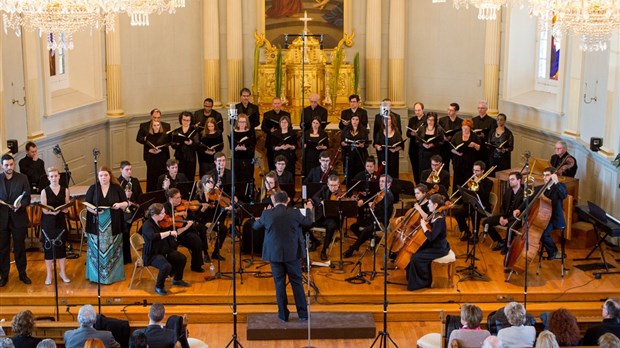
96	153
52	244
232	117
68	178
384	336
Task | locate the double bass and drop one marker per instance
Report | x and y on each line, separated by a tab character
538	215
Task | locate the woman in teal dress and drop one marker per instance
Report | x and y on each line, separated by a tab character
107	250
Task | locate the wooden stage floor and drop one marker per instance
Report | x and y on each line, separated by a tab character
209	302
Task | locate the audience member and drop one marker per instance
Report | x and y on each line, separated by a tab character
86	319
517	335
47	343
156	335
564	326
470	335
22	326
94	343
546	339
138	341
6	342
610	323
608	340
492	342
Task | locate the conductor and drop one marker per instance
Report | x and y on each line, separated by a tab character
283	249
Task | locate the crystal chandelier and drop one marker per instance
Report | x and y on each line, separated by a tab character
487	9
59	19
592	21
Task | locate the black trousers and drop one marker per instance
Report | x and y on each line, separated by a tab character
18	234
192	242
171	263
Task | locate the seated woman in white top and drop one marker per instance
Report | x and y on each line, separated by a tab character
470	335
517	335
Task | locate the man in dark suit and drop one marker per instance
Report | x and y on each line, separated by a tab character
173	177
156	335
86	318
201	115
512	205
462	211
556	192
611	323
317	173
13	220
345	115
429	176
245	107
34	168
312	111
283	248
220	173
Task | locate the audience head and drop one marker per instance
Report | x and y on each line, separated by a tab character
87	316
608	340
157	312
515	313
138	341
492	342
6	342
546	339
94	343
47	343
23	323
471	316
611	308
564	325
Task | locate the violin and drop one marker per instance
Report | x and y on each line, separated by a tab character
167	222
218	196
193	205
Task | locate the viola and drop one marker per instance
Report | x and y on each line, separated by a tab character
193	205
167	222
218	196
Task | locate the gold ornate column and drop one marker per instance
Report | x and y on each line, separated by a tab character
211	51
234	50
31	46
396	52
113	71
2	117
491	63
373	53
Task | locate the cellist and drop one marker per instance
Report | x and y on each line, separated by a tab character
419	269
364	229
556	192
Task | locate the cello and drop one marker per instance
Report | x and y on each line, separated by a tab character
403	226
416	239
538	215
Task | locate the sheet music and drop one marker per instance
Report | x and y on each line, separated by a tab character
613	218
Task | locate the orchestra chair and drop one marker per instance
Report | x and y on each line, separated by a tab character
82	216
34	212
137	243
562	250
73	217
434	339
442	270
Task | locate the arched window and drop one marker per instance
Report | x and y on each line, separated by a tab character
548	59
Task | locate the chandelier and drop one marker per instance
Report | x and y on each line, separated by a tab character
487	9
58	20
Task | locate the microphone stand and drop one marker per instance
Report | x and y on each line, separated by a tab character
96	224
308	294
52	243
232	117
68	177
527	155
383	336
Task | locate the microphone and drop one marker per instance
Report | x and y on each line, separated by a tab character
232	112
527	154
385	111
56	150
96	152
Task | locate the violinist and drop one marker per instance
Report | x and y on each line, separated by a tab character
331	190
364	229
172	177
512	205
133	190
354	142
220	174
364	177
283	176
185	143
436	246
270	186
462	211
556	193
570	167
215	214
187	235
160	250
437	174
316	174
211	142
245	143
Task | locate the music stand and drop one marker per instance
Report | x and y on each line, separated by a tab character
312	188
402	187
252	210
185	188
289	189
472	198
339	209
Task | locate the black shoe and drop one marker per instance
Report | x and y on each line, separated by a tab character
3	282
198	270
324	255
348	253
314	245
555	256
161	291
181	282
501	245
465	236
303	319
24	278
207	258
217	256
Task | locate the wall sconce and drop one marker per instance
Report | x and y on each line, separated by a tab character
585	94
16	101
